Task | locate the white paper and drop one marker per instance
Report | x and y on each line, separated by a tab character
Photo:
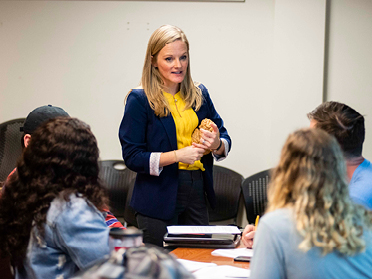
203	230
194	266
233	253
222	272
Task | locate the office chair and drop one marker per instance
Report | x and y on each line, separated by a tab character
119	181
10	146
254	190
227	187
5	268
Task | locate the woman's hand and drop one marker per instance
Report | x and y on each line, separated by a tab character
189	154
209	140
248	235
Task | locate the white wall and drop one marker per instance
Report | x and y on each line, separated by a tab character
262	61
297	68
350	59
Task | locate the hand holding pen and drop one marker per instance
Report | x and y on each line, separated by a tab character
248	234
256	223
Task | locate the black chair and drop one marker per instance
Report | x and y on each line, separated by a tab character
5	268
227	186
254	190
120	182
10	146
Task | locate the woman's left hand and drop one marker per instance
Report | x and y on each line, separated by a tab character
209	140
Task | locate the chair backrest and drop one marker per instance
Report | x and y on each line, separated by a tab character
120	182
227	186
254	190
5	268
10	146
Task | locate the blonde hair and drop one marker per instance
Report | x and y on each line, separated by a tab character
152	82
311	179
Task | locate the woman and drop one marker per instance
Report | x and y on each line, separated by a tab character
312	229
173	176
50	223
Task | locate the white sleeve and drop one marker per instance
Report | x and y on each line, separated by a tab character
154	164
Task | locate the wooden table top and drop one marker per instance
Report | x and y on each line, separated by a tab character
205	255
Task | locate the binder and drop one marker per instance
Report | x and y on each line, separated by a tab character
202	240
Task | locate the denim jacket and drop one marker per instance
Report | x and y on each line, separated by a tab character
75	237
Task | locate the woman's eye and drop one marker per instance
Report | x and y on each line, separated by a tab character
184	57
168	59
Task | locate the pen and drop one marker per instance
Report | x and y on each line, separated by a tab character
256	223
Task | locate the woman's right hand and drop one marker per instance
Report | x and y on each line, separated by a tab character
189	154
248	235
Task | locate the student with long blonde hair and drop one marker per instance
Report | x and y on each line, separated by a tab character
174	176
312	229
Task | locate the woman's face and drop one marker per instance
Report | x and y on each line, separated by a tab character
172	62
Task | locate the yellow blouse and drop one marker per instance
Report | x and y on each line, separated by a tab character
186	121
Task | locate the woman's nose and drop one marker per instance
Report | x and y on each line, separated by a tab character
177	63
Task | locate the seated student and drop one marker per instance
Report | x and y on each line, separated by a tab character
312	229
347	126
37	117
50	219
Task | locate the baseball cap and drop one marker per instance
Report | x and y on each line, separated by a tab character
40	115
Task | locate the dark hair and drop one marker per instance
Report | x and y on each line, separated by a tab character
343	122
23	141
61	159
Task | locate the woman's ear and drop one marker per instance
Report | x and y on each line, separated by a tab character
153	62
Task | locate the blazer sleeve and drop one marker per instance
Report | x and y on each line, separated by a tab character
132	133
214	116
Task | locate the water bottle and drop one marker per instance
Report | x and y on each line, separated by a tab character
128	238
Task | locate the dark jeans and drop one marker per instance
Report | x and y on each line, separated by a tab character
191	209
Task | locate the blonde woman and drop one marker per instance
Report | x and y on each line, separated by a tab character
174	178
312	229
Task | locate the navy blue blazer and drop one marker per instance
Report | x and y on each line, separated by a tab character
142	132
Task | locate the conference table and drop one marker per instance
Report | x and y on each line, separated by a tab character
205	255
